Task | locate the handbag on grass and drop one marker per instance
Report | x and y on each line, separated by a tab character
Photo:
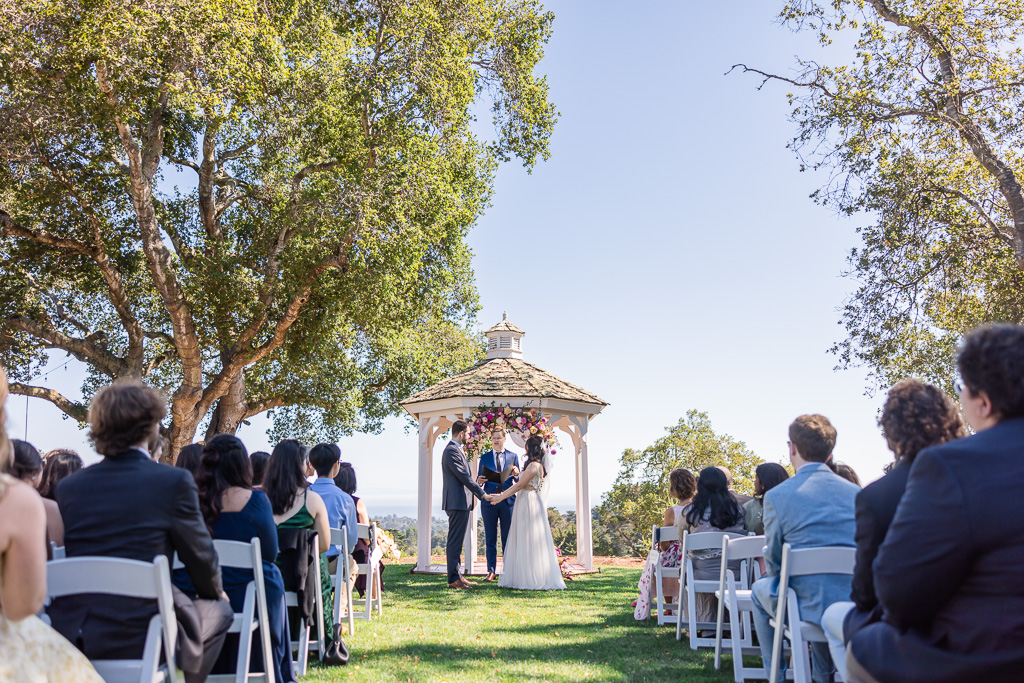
335	654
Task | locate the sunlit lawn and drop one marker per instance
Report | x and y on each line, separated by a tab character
431	633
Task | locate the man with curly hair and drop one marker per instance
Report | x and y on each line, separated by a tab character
948	574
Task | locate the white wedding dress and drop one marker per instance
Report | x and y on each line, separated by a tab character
529	557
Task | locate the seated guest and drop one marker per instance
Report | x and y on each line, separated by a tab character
57	451
259	466
129	506
714	508
741	498
916	415
189	457
31	650
948	574
296	507
767	476
233	511
682	486
341	509
813	508
346	481
156	448
27	464
57	465
846	472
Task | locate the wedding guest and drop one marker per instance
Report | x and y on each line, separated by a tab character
341	509
259	466
27	464
189	457
682	486
845	471
346	481
156	448
56	466
947	575
915	416
767	476
32	651
129	506
57	451
714	508
233	511
741	498
813	508
296	507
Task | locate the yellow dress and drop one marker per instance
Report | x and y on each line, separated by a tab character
32	652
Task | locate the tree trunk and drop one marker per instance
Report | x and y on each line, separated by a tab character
231	409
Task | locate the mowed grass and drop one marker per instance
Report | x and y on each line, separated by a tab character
431	633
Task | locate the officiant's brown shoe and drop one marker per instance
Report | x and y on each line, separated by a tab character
458	584
490	576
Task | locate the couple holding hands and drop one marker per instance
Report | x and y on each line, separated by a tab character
516	503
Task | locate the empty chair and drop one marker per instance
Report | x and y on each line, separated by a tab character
787	622
734	595
371	570
126	578
691	586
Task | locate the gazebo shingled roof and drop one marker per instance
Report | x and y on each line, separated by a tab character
503	377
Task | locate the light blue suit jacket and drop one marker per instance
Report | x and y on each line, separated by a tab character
812	508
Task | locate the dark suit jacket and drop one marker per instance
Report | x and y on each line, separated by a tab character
129	507
457	478
876	506
948	574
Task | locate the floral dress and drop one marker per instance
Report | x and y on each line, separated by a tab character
668	559
32	652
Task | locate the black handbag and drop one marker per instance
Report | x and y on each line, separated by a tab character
335	653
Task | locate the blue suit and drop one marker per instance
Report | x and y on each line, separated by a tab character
500	512
813	508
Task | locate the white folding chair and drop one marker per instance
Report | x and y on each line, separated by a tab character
371	570
704	540
57	551
127	578
303	645
736	597
254	611
659	535
787	622
342	589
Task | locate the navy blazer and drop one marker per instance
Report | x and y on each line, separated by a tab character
458	481
948	574
488	459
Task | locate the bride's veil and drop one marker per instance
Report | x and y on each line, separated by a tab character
545	487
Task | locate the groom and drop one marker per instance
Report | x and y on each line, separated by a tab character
497	459
458	483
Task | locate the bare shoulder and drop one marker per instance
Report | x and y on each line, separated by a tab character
314	501
23	497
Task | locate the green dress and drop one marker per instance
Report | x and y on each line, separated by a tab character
303	520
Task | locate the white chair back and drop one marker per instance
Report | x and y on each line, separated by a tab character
703	540
664	534
57	552
342	589
371	570
304	644
737	598
125	578
803	562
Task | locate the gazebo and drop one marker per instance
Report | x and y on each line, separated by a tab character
503	378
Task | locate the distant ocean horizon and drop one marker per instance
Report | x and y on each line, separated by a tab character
400	507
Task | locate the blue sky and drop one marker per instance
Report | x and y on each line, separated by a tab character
666	257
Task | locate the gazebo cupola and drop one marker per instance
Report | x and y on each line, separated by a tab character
504	340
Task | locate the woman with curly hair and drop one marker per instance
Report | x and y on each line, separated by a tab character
682	485
916	415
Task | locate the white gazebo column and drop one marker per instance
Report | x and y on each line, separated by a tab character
426	490
584	531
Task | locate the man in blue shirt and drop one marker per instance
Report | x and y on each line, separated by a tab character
341	509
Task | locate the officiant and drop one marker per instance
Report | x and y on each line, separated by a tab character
498	463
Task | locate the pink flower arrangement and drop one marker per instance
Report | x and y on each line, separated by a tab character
527	422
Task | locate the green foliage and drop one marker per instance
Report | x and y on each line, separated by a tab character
256	206
640	495
922	132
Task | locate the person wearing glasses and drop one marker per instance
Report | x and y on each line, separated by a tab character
948	574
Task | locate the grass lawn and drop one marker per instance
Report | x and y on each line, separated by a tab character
587	632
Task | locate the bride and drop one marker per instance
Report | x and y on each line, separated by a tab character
529	557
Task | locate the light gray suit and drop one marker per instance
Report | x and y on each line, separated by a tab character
813	508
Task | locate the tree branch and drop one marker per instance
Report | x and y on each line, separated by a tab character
69	407
976	205
84	349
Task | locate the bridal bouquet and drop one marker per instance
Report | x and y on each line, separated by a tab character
526	421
